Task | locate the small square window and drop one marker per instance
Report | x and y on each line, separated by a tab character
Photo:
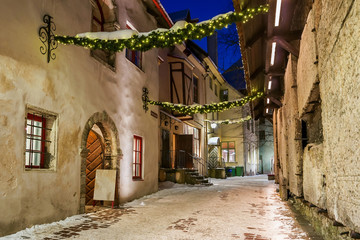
224	95
40	143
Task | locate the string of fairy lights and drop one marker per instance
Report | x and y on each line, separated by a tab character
206	108
164	38
228	121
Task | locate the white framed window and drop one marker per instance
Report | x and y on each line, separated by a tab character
228	151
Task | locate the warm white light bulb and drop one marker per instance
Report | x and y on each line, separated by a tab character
268	101
267	110
269	86
213	125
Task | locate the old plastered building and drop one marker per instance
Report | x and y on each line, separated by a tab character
189	76
310	74
62	120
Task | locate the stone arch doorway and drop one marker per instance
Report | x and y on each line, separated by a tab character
111	150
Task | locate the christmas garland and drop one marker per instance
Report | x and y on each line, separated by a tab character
229	121
159	38
207	108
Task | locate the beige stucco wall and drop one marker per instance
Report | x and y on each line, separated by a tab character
74	86
233	132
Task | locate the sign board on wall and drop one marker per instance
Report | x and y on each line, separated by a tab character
105	185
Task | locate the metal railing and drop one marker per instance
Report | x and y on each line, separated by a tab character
176	159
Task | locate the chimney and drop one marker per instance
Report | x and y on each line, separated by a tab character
212	48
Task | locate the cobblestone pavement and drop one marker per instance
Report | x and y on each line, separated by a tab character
247	208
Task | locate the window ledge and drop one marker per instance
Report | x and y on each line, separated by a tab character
40	170
134	65
138	179
104	63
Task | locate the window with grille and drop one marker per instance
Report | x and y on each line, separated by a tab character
133	56
228	151
196	89
137	158
40	144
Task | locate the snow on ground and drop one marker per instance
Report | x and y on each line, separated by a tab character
236	208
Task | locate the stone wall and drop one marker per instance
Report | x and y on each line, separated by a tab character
314	175
328	86
338	43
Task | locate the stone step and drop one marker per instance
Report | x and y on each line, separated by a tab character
203	180
206	184
198	177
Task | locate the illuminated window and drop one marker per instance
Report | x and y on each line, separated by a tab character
228	151
40	144
137	158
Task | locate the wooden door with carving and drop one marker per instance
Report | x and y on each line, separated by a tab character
94	161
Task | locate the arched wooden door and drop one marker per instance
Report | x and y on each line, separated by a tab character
94	161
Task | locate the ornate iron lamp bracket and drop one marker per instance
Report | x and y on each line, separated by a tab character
145	98
47	37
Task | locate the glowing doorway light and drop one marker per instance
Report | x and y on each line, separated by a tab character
269	86
268	100
273	48
277	14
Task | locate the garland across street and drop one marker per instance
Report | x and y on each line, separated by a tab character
207	108
159	38
229	121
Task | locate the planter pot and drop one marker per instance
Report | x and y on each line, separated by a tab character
217	173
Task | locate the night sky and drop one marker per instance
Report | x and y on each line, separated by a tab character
204	10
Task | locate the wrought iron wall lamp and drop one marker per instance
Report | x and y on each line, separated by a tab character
47	37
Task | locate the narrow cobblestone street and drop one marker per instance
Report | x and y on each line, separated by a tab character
236	208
